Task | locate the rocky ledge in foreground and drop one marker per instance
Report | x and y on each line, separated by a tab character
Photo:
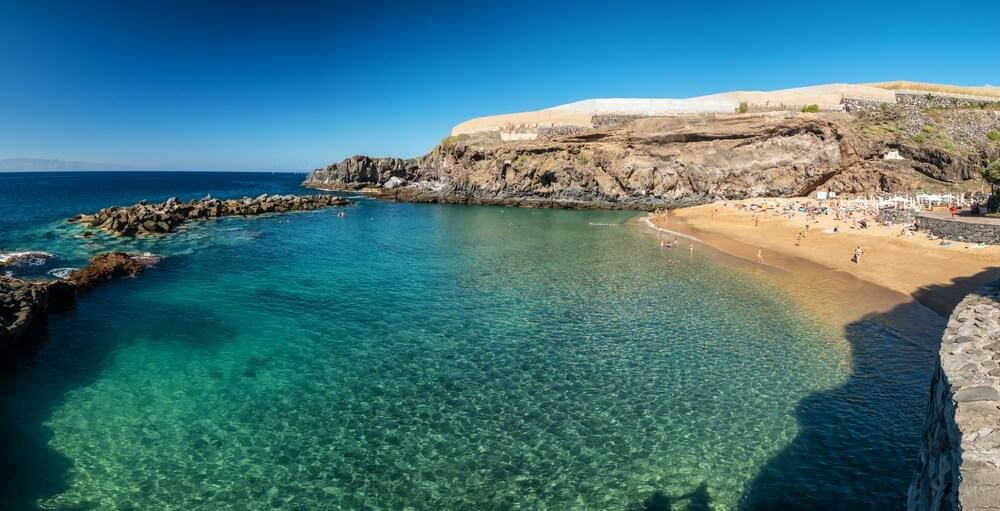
23	301
145	218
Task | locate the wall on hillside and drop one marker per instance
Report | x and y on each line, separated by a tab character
525	121
959	462
940	100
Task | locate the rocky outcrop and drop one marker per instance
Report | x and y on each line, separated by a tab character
109	266
23	302
959	461
144	218
362	171
23	258
657	162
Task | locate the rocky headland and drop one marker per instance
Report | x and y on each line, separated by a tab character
22	302
159	218
671	161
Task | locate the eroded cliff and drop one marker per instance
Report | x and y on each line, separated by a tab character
670	161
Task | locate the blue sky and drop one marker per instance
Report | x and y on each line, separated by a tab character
288	85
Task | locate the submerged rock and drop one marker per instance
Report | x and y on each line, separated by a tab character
144	218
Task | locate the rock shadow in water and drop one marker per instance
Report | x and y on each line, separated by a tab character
881	407
698	500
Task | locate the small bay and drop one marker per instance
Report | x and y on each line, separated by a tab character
422	356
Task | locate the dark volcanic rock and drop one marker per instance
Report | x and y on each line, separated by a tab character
22	302
113	265
144	218
20	258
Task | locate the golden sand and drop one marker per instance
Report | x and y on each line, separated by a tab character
936	276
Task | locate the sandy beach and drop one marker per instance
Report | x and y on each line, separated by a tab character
936	276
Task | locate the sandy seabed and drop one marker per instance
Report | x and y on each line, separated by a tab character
821	269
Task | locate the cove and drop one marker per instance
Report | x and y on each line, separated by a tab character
419	356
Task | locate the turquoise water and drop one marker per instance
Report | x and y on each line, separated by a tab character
436	357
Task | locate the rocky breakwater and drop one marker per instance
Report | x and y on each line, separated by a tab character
649	162
959	462
145	218
22	302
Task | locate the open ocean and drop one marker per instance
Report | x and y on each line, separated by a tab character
421	356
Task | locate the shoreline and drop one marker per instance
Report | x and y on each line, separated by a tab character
937	277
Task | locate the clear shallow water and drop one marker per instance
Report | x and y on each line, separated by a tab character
438	357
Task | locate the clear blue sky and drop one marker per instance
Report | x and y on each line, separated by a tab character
286	85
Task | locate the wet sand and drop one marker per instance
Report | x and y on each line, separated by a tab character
937	277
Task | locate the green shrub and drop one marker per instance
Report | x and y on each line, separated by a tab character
583	159
920	139
928	128
811	108
993	135
744	107
450	140
885	107
991	171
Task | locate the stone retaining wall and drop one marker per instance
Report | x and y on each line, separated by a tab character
863	105
961	231
940	100
898	216
959	462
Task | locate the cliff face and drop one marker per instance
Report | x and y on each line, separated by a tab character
658	162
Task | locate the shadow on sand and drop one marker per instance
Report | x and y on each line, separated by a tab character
854	436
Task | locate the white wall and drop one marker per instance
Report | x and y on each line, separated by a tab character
647	106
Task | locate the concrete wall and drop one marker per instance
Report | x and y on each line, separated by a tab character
959	462
830	97
649	106
535	120
935	88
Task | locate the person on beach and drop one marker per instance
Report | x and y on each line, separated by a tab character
857	255
756	221
691	249
953	211
760	255
805	233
